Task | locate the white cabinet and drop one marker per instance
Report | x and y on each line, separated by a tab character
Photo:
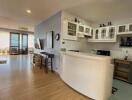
124	29
69	30
83	30
80	30
73	31
112	33
88	30
104	34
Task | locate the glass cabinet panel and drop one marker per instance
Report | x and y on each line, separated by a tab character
111	33
130	27
72	29
103	33
87	30
92	34
97	34
81	29
122	28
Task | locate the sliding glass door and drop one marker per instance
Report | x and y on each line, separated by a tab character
18	43
24	44
14	43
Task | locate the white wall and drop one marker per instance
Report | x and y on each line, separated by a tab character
51	24
30	41
4	39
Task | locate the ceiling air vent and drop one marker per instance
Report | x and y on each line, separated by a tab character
23	28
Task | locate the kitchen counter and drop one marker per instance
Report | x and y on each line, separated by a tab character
87	73
87	55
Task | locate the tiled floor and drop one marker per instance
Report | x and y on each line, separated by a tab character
124	91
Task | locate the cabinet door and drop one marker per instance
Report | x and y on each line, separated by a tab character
97	34
69	30
92	35
72	29
88	31
130	27
111	33
80	29
103	33
122	28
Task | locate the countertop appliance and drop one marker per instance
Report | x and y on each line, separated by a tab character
103	52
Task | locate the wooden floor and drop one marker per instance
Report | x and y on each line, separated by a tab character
20	81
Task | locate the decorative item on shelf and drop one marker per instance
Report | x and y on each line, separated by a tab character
57	36
76	20
101	25
109	23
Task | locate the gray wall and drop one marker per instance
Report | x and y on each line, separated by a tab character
51	24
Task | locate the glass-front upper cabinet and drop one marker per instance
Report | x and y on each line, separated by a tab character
92	35
111	32
103	33
72	29
69	30
97	34
130	27
80	28
122	28
87	31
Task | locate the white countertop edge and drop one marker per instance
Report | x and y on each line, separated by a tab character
86	55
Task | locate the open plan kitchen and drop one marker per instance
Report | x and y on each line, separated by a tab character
75	50
93	59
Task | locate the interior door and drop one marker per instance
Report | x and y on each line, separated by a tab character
24	44
14	43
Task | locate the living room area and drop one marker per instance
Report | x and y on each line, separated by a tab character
15	42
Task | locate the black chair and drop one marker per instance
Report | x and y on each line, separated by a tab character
48	60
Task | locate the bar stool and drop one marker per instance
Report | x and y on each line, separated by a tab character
49	61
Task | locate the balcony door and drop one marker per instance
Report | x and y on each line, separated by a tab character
14	43
18	43
24	44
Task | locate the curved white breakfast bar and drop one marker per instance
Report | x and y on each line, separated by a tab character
88	74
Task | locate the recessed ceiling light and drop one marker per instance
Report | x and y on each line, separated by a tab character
28	11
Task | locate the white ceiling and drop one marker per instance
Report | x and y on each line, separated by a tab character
104	10
41	9
91	10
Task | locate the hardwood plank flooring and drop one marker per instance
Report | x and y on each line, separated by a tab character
20	81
